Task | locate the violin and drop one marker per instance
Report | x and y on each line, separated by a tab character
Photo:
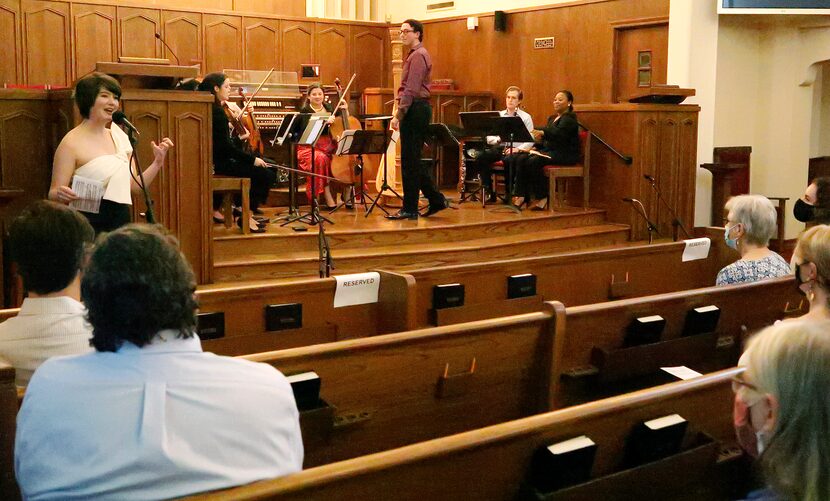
249	121
238	127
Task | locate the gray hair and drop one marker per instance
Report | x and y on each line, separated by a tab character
791	362
757	215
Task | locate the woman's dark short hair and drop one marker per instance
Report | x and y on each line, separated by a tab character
570	97
417	27
136	284
212	80
88	87
48	241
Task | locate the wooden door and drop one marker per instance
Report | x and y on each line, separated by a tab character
640	59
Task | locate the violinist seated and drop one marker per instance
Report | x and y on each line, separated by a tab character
499	149
557	143
323	150
229	158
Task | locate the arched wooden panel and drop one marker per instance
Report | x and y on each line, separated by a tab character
448	111
262	44
137	32
332	49
479	105
183	33
369	69
23	164
300	37
149	122
223	43
95	36
10	39
46	42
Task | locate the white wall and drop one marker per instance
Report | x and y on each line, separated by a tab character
399	10
693	49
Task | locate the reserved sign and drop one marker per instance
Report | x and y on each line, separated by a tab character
357	288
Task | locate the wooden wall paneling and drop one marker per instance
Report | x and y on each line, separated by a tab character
297	45
448	109
666	169
368	56
46	43
293	8
10	61
223	42
190	170
137	30
332	52
478	103
628	42
262	43
183	33
95	36
150	117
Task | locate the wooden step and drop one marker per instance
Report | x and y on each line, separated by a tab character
409	255
278	197
355	232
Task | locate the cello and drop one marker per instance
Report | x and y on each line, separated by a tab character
347	168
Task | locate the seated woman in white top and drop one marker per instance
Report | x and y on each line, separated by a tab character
750	224
97	151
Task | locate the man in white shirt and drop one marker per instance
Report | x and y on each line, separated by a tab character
499	148
149	415
48	242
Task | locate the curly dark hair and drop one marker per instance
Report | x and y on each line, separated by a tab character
88	87
417	27
136	284
48	241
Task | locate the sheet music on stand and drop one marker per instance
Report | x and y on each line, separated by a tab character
90	193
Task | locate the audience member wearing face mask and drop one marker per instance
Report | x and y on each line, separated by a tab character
814	207
811	263
750	223
781	413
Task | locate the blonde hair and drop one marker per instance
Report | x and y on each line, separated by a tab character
757	214
791	361
814	247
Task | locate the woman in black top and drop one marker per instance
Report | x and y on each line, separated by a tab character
559	140
228	158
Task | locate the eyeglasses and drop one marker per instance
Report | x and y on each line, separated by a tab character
738	382
405	31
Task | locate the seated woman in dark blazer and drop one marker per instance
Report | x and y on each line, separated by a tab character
559	140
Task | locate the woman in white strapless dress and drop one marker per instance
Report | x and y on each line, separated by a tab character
97	151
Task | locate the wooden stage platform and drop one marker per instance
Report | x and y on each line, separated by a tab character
454	236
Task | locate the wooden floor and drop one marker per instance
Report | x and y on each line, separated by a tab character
463	234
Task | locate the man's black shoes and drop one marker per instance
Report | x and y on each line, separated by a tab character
403	215
445	204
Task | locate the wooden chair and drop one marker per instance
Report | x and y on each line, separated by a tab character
228	186
582	169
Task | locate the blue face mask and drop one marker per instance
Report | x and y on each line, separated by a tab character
731	243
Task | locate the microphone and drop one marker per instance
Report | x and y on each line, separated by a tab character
158	35
648	178
121	119
629	200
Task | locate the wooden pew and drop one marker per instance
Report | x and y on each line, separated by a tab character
399	389
590	361
574	278
8	422
492	463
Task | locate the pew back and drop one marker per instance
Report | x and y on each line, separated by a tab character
492	463
403	388
574	278
8	420
595	334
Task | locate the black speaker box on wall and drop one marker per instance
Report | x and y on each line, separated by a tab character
500	22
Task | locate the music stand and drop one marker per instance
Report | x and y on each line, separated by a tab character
311	134
289	131
440	136
361	142
385	186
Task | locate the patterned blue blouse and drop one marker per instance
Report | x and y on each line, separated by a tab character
742	271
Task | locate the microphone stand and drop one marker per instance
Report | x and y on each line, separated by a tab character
639	209
148	215
676	222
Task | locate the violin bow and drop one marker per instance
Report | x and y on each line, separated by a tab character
248	100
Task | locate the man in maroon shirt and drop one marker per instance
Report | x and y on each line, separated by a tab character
413	116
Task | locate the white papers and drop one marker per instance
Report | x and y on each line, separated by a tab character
90	193
696	248
681	372
357	288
